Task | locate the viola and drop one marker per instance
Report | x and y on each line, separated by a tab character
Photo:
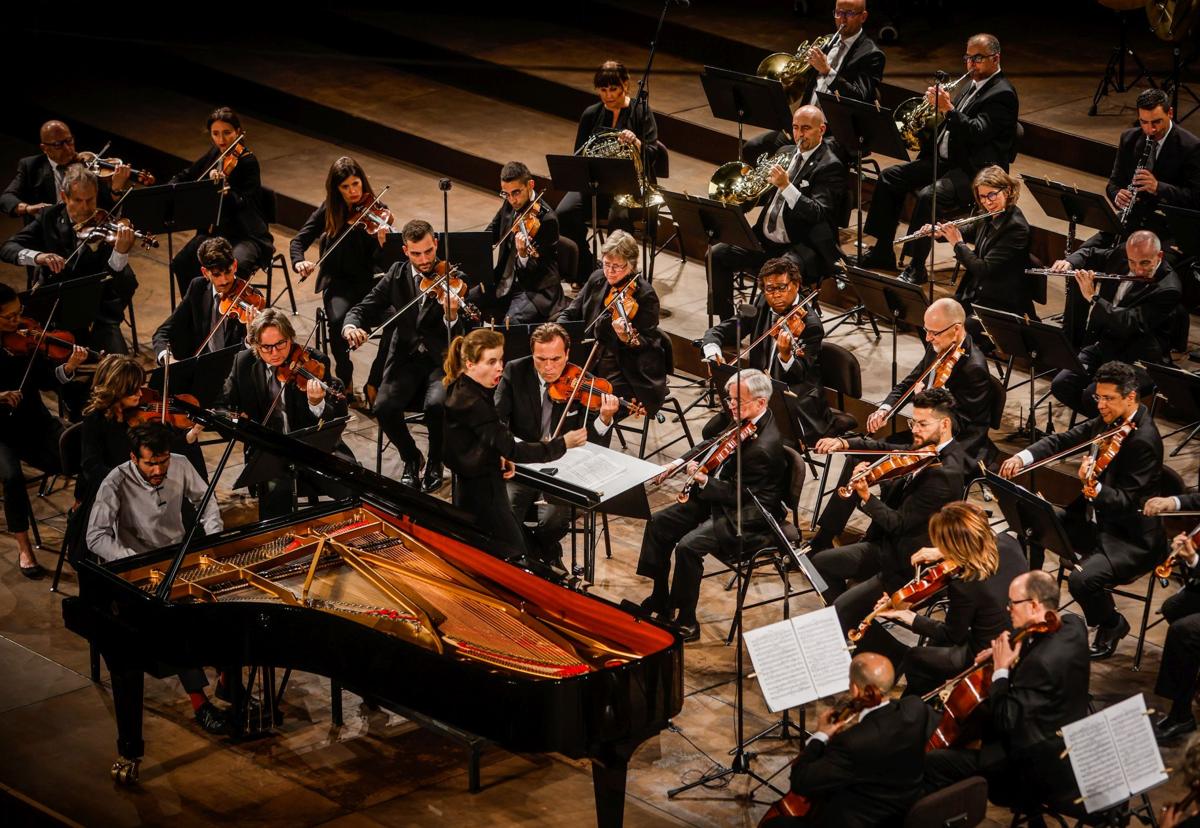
1107	451
240	299
102	229
795	805
722	449
626	308
107	167
56	346
150	410
588	390
971	690
456	284
301	366
374	219
913	594
894	464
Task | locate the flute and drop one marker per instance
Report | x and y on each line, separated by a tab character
962	222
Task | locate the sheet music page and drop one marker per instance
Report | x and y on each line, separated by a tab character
1140	757
782	674
824	647
1095	762
599	469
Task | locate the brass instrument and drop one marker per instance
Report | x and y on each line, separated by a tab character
916	116
606	145
962	222
1172	20
792	70
736	182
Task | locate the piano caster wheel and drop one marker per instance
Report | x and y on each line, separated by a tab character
125	771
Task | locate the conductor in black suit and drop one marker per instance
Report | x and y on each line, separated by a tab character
788	359
868	770
198	317
254	390
1029	703
524	405
707	522
1119	542
980	130
800	218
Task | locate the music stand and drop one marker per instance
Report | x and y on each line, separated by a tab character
1032	518
703	219
1181	390
863	128
472	253
889	297
1045	346
1074	206
77	300
516	340
746	99
1184	225
171	208
201	376
591	177
264	466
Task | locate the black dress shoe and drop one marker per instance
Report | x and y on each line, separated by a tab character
433	477
1167	729
411	475
1107	639
34	573
652	605
914	275
688	632
212	720
877	259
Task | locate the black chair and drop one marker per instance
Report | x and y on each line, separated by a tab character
568	257
270	210
962	805
842	373
671	402
70	457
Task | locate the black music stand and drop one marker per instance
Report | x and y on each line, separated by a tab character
263	466
592	177
1074	206
1045	346
1032	518
516	340
863	128
201	376
1184	225
703	219
1181	390
889	297
472	253
746	99
171	208
77	300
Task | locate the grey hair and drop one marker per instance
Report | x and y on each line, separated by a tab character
78	174
1145	238
757	383
620	243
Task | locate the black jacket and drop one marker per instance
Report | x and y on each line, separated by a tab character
972	389
984	131
994	254
1138	329
644	365
635	117
519	405
105	445
813	219
859	75
869	774
476	438
242	210
352	263
804	375
34	184
191	322
539	277
30	417
1177	169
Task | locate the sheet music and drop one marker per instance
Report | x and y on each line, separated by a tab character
824	645
801	659
1140	758
1106	774
599	469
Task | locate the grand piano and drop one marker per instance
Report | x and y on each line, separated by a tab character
391	593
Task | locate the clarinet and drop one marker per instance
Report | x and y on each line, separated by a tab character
1131	189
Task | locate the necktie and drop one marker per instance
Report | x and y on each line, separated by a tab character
778	204
944	141
547	413
218	339
275	390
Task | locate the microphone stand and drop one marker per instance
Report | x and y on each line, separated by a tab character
444	185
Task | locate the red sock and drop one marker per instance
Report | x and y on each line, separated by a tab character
198	700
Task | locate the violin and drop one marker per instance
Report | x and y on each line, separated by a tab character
526	226
971	689
795	805
150	410
107	167
301	366
588	390
722	449
230	161
938	373
1107	451
625	309
894	464
1190	542
102	229
241	299
457	286
945	367
375	218
56	346
913	594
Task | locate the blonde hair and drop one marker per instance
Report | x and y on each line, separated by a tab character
117	376
469	348
995	176
961	531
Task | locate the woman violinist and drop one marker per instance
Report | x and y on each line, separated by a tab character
479	447
242	201
348	269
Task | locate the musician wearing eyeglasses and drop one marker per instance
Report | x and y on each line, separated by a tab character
527	287
980	130
782	355
799	219
1117	542
1128	320
197	319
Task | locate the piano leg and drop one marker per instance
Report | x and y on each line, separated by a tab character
608	784
127	686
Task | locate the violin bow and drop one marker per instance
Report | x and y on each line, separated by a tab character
933	366
245	286
378	332
778	326
38	346
85	241
357	220
575	390
166	392
520	219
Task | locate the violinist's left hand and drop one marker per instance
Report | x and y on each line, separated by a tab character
783	345
193	434
315	392
120	178
1084	468
860	486
1004	654
621	330
608	407
522	247
826	724
77	357
125	238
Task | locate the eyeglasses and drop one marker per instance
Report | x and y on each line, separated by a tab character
1105	398
775	289
615	267
1011	603
66	142
513	194
274	346
942	331
844	15
994	194
979	58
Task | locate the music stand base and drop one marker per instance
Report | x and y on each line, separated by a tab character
784	729
1114	73
740	766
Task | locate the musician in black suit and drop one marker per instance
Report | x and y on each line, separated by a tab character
899	517
782	357
1128	321
241	211
980	130
636	371
523	403
867	770
800	218
706	523
1029	702
254	390
527	288
415	353
198	317
986	563
51	244
1119	542
853	68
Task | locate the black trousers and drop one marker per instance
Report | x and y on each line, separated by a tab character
37	447
186	265
419	377
895	183
1179	672
487	498
928	666
1114	562
337	299
836	514
552	521
861	563
687	528
728	259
